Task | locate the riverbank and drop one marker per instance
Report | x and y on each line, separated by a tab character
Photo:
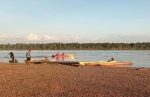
21	80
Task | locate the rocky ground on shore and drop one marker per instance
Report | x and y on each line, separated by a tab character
43	80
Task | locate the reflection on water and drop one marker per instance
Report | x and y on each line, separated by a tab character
139	58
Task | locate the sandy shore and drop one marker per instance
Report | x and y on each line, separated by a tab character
20	80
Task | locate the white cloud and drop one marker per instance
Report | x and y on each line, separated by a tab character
38	38
3	37
77	37
29	38
33	37
48	37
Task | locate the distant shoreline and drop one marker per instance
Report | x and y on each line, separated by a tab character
76	46
67	50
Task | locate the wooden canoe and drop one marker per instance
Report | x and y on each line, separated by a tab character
71	63
84	63
105	63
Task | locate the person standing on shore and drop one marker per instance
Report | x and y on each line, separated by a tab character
28	55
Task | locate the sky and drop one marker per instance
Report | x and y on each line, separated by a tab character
46	21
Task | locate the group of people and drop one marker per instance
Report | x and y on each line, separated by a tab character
13	60
57	56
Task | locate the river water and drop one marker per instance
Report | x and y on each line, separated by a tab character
139	58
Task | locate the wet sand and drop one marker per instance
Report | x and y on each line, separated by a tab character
20	80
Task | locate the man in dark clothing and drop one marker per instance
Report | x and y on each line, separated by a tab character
12	55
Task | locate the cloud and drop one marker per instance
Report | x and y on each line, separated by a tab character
130	38
41	38
33	37
38	38
48	37
3	37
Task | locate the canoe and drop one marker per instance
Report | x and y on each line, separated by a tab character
70	63
36	62
83	63
105	63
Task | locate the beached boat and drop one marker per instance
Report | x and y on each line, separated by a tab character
35	62
71	63
105	63
84	63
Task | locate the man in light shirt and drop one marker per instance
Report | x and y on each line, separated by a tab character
28	55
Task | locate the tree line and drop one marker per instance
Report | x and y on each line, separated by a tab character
76	46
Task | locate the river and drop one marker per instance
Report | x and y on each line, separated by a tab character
139	58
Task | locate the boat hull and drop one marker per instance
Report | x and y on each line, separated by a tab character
70	63
105	63
74	63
